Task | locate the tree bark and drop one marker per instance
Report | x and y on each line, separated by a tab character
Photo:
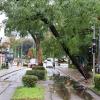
38	48
39	51
73	59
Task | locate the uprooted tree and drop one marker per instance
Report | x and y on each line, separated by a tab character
68	21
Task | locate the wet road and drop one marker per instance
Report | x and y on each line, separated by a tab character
9	83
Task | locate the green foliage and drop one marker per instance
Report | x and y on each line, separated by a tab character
72	66
38	68
88	68
60	79
29	80
60	84
25	64
24	93
97	81
39	73
97	91
51	48
16	46
74	43
4	66
72	18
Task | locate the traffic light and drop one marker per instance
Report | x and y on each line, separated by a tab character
89	57
90	49
94	48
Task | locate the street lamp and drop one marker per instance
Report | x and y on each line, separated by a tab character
0	51
94	51
99	50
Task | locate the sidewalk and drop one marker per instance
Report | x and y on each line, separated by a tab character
49	90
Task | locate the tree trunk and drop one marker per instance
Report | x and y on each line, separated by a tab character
40	56
38	49
73	59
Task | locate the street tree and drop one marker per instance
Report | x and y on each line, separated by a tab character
15	45
51	48
67	20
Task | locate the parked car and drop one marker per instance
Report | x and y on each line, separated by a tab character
49	64
44	63
33	62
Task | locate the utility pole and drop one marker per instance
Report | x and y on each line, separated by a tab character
15	51
99	50
21	53
93	52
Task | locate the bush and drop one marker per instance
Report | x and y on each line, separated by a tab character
97	81
39	73
88	68
72	66
38	68
25	64
29	72
29	80
58	78
4	66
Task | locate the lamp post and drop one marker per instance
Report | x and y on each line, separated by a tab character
99	50
21	52
94	51
1	52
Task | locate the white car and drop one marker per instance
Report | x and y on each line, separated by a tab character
49	64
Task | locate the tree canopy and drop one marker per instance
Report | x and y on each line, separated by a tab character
72	18
51	48
70	21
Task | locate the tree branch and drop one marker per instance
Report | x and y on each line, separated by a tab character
74	61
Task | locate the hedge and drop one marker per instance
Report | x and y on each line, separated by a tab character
4	66
38	68
24	64
39	73
97	81
29	80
